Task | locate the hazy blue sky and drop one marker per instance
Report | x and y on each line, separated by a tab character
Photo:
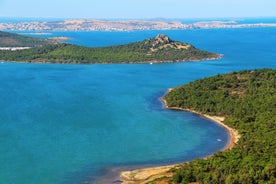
137	8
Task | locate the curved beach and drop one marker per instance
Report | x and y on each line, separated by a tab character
142	176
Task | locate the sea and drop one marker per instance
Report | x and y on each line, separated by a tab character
77	123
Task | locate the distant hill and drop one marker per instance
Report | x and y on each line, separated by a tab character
16	40
125	25
158	49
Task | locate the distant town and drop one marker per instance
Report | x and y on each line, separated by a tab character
123	25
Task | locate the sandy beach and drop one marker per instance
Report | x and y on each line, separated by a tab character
142	176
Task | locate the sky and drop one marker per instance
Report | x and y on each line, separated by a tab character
137	9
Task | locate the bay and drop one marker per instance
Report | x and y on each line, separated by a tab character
68	123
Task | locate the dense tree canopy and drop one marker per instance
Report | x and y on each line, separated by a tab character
248	101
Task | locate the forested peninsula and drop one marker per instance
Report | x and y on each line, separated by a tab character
247	101
158	49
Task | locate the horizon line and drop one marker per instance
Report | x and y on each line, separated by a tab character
153	18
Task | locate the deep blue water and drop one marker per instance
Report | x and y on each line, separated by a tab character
67	123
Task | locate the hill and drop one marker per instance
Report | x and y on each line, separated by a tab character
16	40
158	49
247	100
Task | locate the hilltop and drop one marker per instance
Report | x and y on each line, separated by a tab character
158	49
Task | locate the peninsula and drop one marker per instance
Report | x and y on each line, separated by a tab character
10	40
246	101
158	49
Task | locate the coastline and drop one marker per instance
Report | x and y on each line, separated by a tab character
145	175
219	56
233	133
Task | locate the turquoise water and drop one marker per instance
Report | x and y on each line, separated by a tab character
68	123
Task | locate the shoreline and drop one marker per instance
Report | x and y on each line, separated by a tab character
218	57
145	175
233	134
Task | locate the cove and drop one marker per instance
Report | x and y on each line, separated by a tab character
67	122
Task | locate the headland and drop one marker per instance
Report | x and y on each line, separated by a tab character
240	101
153	50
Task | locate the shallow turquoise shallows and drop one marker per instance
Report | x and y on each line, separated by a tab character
68	123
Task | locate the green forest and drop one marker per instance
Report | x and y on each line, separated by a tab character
247	100
157	49
15	40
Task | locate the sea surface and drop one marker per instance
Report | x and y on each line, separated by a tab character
71	124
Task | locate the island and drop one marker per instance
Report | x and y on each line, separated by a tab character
244	101
153	50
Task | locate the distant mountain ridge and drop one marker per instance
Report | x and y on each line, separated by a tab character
123	25
158	49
